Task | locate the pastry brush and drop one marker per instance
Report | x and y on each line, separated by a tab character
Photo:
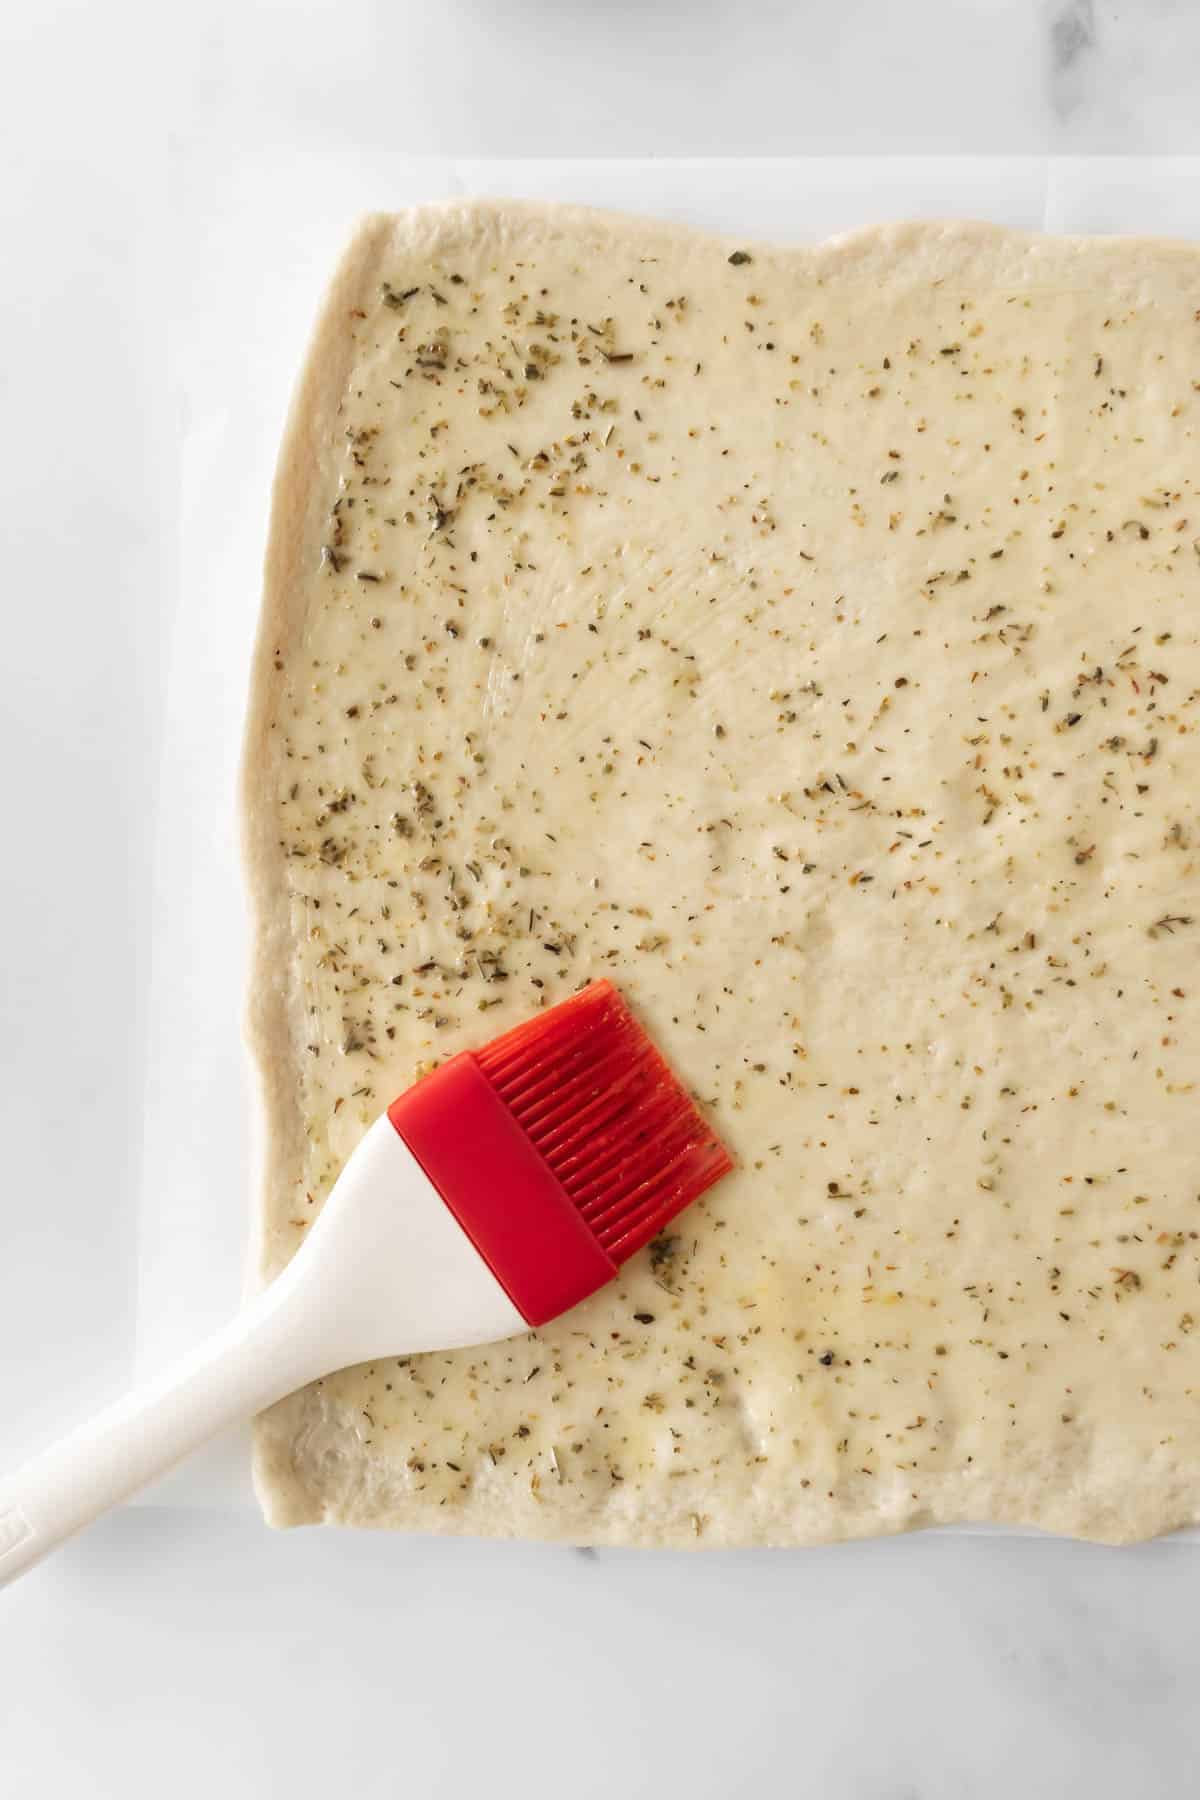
497	1193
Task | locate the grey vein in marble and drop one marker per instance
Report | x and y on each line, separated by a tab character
1073	40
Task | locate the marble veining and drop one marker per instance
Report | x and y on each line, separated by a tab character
1120	77
1073	40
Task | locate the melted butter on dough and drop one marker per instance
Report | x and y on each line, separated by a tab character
810	642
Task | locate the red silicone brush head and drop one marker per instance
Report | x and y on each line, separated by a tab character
605	1113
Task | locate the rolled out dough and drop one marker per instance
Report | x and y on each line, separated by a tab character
808	640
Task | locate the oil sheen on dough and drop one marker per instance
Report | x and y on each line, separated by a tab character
810	642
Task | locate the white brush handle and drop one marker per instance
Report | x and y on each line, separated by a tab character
385	1269
253	1361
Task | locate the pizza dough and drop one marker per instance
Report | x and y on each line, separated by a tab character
809	641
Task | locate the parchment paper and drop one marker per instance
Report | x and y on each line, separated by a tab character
255	237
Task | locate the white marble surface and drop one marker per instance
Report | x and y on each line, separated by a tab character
690	77
955	1667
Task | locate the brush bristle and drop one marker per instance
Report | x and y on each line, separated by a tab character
606	1114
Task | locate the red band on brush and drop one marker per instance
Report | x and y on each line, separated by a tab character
515	1211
